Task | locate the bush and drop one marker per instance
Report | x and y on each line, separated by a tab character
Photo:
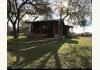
86	34
74	35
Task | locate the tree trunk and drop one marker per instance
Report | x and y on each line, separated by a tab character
17	29
14	32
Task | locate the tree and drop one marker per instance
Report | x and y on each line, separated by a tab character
13	14
16	9
75	10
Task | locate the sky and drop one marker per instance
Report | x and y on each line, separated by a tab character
81	30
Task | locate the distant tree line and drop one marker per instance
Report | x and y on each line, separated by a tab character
85	34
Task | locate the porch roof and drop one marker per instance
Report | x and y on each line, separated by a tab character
48	21
45	21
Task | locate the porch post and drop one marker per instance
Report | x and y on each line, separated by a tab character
31	31
40	28
54	29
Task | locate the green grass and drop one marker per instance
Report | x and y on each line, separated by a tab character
69	53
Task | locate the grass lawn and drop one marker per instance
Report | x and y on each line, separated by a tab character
68	53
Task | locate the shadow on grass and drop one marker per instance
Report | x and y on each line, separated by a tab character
31	53
23	39
82	55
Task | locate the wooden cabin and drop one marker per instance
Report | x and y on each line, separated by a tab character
49	28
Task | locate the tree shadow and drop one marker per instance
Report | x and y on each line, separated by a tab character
82	55
24	39
34	53
57	60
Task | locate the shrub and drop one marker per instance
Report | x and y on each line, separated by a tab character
85	34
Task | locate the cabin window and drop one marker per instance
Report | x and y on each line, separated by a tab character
44	29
